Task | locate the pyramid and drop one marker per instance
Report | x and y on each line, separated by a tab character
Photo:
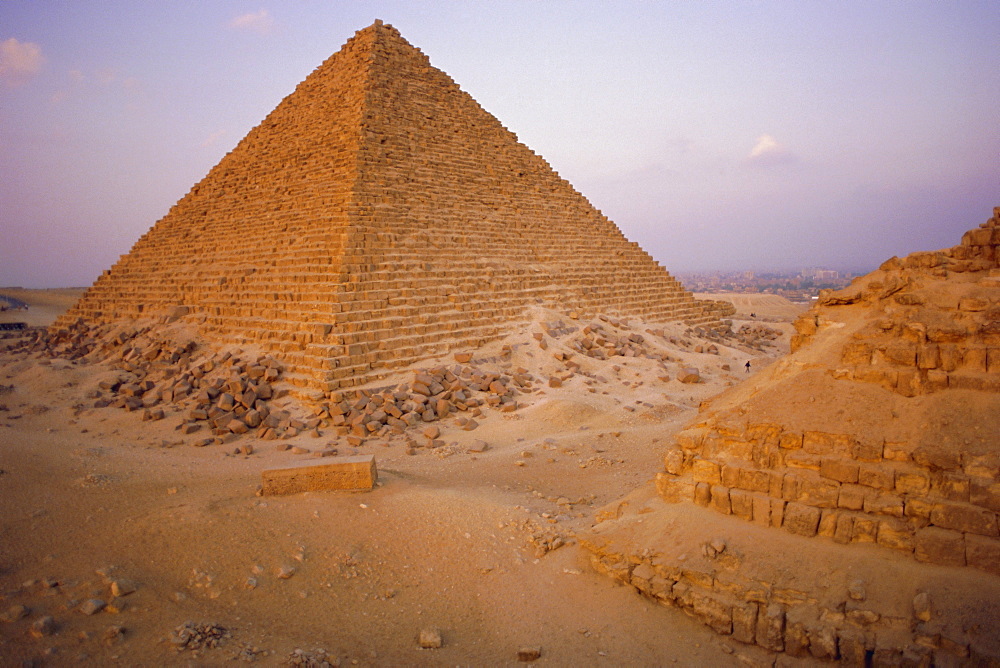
378	217
858	479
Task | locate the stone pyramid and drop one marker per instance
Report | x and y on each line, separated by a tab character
377	217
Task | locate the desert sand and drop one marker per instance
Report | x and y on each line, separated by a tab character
100	510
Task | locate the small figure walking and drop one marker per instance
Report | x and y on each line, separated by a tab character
748	366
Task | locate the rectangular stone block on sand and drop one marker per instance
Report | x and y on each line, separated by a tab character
347	473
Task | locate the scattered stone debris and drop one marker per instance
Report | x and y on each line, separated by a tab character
317	658
192	636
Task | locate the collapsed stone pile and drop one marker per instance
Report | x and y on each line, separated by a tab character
940	319
911	465
461	390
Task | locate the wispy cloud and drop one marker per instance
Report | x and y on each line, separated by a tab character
213	138
259	22
769	151
19	61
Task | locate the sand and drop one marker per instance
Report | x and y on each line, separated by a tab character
94	502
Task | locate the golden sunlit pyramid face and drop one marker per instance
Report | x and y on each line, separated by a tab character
379	216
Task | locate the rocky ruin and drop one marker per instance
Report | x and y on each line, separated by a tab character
876	441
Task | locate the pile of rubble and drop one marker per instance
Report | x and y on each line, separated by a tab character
459	390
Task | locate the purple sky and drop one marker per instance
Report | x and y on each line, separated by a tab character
730	135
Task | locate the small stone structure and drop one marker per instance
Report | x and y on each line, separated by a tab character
894	445
378	217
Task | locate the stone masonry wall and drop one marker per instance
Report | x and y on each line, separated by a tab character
938	507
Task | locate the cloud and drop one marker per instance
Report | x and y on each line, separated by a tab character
258	22
213	138
19	61
768	151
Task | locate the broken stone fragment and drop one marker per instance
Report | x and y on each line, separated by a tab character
689	375
922	606
430	639
529	654
43	626
92	606
122	587
14	613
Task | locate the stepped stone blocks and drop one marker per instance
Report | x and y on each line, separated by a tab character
940	319
379	216
933	325
877	436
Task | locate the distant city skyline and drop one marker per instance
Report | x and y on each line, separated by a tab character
719	136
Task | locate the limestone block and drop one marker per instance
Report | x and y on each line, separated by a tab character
865	530
815	491
917	508
703	494
876	476
884	504
823	642
912	482
745	622
844	531
868	451
928	356
965	517
828	523
796	639
770	632
982	553
713	613
707	471
803	460
841	470
741	503
985	493
673	461
790	440
761	508
982	466
939	546
690	439
672	489
720	500
852	497
895	534
777	512
345	473
951	486
821	443
801	519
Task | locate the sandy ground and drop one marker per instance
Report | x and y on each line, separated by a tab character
94	502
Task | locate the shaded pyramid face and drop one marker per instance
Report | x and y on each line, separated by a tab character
377	217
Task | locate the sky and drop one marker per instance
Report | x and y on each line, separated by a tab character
720	136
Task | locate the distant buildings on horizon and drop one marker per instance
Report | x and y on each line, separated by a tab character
802	286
